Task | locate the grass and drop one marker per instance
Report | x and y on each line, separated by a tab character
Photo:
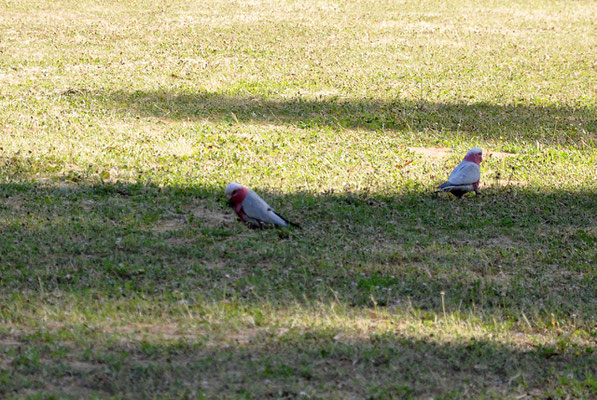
123	274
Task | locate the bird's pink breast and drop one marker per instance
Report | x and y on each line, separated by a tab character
238	199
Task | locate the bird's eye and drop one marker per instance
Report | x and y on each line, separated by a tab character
234	191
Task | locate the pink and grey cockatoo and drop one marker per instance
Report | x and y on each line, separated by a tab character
465	177
252	209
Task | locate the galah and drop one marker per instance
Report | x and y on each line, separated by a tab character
465	177
252	209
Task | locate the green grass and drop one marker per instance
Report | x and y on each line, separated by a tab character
123	274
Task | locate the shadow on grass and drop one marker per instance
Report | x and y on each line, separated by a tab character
519	122
293	364
106	248
507	252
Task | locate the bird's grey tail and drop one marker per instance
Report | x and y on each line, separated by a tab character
288	222
294	224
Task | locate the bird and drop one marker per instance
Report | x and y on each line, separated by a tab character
252	209
465	177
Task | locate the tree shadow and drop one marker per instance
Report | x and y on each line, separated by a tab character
508	251
294	363
550	124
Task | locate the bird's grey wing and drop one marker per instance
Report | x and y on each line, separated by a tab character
255	207
466	173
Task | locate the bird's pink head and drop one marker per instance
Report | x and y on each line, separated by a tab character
474	155
236	193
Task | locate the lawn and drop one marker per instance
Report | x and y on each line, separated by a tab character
124	274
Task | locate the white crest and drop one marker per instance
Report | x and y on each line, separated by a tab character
231	187
475	150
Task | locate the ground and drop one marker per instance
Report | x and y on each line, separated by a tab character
123	273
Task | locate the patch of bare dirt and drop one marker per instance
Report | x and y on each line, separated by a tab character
245	336
500	241
173	331
15	202
175	222
81	366
434	152
167	225
9	342
163	330
213	218
440	152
